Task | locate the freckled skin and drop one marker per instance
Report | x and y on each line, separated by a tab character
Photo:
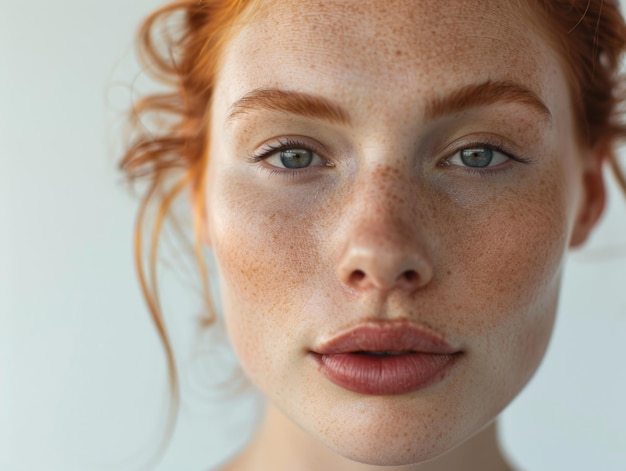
488	248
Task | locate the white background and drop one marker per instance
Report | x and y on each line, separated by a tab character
82	373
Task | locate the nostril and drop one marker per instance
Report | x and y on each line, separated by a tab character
367	269
408	277
357	276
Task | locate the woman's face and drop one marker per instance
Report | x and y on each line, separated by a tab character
400	177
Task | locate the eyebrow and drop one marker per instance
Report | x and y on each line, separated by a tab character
303	104
486	93
314	106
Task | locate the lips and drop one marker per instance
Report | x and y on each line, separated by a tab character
386	358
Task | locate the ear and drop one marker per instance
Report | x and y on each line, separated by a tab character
593	198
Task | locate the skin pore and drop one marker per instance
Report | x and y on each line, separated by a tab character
385	222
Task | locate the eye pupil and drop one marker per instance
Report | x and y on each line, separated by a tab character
296	158
477	157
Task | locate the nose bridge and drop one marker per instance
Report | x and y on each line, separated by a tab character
383	206
384	246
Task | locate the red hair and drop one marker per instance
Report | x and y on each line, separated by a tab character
589	35
185	60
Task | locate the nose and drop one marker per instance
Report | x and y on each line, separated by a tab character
384	247
365	267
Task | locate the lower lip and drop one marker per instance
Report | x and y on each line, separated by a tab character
385	375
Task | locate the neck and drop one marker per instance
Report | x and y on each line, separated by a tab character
281	445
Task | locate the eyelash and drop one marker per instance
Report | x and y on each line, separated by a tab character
282	145
286	144
490	144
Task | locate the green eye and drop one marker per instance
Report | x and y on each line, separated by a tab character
477	157
289	156
296	158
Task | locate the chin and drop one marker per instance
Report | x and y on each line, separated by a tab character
395	450
376	431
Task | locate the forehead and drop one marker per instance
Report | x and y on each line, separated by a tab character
345	47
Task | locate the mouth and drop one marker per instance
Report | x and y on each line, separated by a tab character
386	358
382	354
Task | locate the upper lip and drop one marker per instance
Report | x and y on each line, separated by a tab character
389	336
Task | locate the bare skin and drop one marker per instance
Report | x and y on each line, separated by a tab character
279	444
385	191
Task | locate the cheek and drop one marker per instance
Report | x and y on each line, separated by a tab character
504	246
504	267
267	257
509	258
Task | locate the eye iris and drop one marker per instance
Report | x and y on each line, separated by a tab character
478	157
296	158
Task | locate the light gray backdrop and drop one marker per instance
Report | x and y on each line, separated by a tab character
82	377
